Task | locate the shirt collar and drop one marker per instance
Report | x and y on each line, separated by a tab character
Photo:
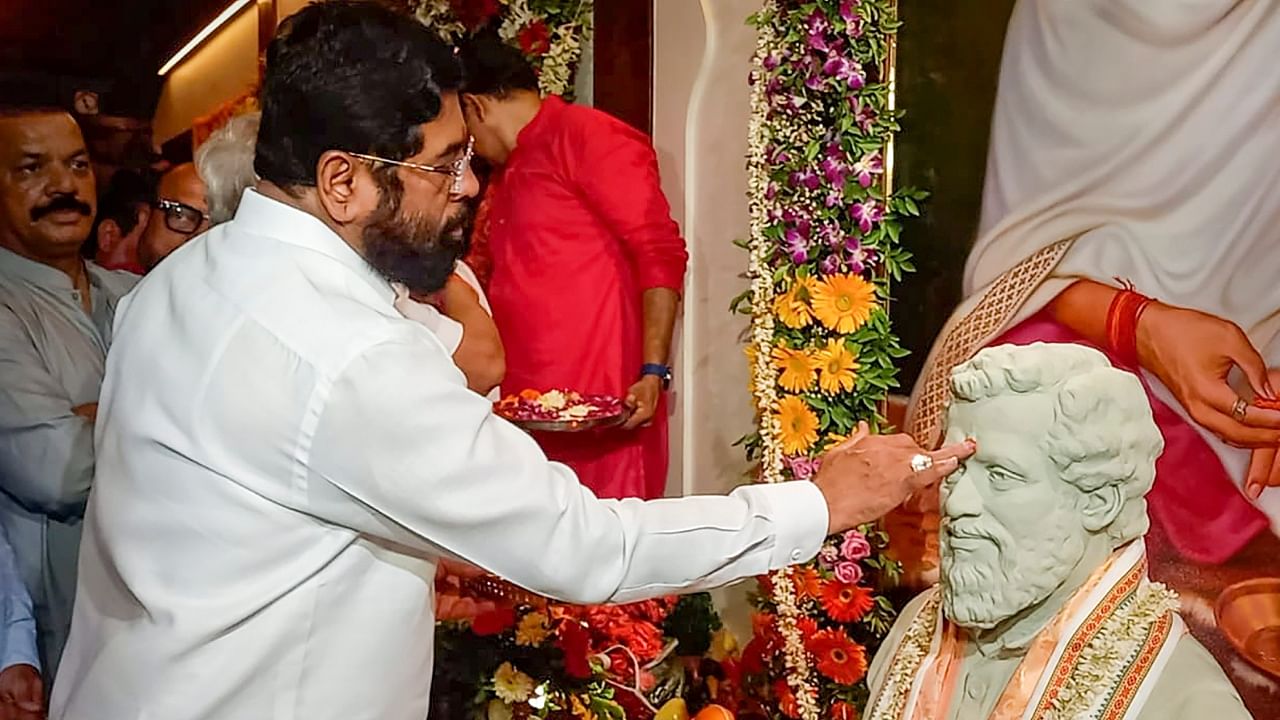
261	215
35	273
551	108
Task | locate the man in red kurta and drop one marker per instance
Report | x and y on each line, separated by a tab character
587	263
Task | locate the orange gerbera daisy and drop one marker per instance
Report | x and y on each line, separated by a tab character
792	308
796	368
844	302
837	367
787	703
838	656
844	602
808	583
799	425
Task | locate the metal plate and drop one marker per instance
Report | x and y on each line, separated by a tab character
597	423
1248	614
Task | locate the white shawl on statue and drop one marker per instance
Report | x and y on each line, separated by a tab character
1146	133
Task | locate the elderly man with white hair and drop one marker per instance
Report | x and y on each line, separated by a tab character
225	163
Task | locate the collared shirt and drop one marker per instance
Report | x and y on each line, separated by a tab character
18	637
274	489
52	356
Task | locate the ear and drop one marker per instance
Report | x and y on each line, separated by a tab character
475	105
346	191
1102	507
109	236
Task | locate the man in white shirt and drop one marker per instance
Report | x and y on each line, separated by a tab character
283	456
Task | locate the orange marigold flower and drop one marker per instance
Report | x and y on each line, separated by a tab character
844	602
838	656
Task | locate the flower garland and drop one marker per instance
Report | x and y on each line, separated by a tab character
1104	661
824	245
549	32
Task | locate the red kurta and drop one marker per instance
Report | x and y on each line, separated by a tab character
578	230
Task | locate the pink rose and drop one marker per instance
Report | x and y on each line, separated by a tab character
855	546
849	573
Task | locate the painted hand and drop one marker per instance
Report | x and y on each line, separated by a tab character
642	400
868	475
1192	353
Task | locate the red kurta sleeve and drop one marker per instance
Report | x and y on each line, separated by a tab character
615	169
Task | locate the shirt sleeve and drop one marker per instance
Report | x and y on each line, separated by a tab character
19	636
448	330
615	168
404	452
46	450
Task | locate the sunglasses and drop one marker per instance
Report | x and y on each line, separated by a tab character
457	170
181	217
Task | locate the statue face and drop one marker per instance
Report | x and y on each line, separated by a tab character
1012	528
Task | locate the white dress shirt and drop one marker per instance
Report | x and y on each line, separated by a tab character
281	459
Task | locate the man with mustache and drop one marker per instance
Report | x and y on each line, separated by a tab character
276	487
1045	605
56	314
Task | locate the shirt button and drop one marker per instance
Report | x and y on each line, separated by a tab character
796	556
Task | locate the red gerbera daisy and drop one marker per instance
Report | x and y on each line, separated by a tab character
845	602
843	711
787	703
838	656
535	38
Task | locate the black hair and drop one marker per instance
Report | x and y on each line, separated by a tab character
492	67
120	200
344	75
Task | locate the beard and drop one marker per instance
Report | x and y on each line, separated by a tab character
411	249
993	578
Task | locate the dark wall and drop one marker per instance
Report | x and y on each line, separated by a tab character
948	64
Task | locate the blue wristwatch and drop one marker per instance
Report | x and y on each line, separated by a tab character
662	372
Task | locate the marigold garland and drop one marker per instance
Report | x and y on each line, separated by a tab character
824	245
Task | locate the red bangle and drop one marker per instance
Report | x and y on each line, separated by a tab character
1122	324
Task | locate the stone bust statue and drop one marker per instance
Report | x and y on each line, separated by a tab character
1044	609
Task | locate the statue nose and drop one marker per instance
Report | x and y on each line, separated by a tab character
960	496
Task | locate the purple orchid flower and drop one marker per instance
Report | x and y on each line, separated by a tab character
818	41
799	253
867	213
834	171
843	68
771	62
818	22
807	179
864	115
770	191
847	12
790	215
830	234
834	198
831	265
870	164
856	256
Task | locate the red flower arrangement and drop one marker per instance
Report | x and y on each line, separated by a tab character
839	657
474	13
846	603
535	38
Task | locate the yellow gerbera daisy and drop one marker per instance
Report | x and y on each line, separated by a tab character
799	425
511	685
796	368
792	308
532	630
836	367
844	302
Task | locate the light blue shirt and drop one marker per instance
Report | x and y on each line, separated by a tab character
52	359
18	639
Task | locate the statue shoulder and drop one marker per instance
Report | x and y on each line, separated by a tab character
1193	686
926	600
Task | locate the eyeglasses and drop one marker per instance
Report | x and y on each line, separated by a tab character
457	169
181	217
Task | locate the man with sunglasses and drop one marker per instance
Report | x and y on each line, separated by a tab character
284	457
181	212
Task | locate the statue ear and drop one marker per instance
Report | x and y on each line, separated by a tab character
1102	507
